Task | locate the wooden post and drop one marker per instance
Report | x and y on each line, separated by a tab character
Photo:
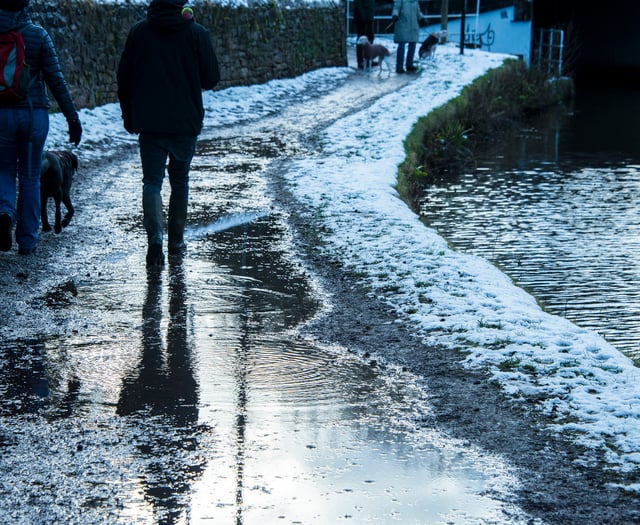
444	15
463	21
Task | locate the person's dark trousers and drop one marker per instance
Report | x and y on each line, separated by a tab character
154	151
411	51
20	170
363	29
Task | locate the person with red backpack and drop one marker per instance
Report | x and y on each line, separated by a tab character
28	62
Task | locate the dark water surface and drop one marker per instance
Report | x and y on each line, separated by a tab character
557	207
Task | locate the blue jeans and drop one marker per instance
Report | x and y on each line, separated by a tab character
20	163
411	51
154	150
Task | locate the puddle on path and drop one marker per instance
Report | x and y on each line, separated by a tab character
187	397
558	208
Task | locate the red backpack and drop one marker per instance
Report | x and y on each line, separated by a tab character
14	73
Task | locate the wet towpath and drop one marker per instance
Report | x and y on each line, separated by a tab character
188	395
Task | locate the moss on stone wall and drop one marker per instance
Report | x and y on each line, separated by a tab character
253	45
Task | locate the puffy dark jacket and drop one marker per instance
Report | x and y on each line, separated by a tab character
41	56
166	63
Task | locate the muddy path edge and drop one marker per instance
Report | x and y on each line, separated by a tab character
561	482
554	486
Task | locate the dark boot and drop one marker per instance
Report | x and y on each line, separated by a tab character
153	219
177	223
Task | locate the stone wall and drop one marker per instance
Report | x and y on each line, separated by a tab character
253	44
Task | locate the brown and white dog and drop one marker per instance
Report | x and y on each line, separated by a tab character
372	51
428	47
56	176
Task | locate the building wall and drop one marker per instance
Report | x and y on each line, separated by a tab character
497	31
253	44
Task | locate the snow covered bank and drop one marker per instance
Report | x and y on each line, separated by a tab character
450	298
457	300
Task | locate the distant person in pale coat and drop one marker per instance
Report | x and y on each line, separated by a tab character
407	17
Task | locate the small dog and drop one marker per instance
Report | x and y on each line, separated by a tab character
372	51
428	47
56	176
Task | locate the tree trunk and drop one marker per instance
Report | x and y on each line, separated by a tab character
444	15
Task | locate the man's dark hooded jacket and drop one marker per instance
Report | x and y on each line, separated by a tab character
167	61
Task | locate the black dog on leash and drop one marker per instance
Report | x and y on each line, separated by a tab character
56	176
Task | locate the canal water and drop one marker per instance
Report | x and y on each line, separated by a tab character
557	207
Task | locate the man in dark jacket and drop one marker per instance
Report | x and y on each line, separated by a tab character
24	126
167	61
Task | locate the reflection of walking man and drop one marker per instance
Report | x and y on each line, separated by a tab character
160	396
164	383
167	60
363	12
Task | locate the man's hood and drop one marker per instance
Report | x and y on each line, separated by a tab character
166	15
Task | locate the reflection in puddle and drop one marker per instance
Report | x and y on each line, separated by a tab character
312	435
192	400
162	394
